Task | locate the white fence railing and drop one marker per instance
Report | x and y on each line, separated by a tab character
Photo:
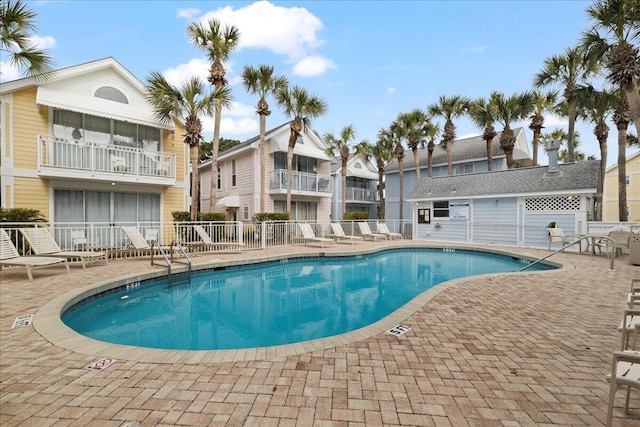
361	194
61	153
301	181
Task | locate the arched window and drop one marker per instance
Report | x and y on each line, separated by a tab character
112	94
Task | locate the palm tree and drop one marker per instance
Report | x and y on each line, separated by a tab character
484	113
432	132
189	101
382	152
621	117
217	42
569	70
595	106
16	26
449	108
301	107
262	82
509	110
562	138
415	127
339	148
613	42
542	102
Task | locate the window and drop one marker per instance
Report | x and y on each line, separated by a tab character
112	94
233	172
219	185
463	169
441	209
104	131
300	211
246	213
627	179
299	163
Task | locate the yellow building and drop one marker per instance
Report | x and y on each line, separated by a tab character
610	196
85	147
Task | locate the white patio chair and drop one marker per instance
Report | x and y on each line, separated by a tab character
625	372
308	236
339	234
9	256
383	229
42	243
366	232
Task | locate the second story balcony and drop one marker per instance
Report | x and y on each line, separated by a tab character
302	183
73	159
360	195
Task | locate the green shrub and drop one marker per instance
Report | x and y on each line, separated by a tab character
349	216
211	216
181	216
270	216
20	215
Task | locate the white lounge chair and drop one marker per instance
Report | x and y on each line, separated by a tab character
308	236
207	242
383	229
42	243
625	372
9	256
368	234
339	234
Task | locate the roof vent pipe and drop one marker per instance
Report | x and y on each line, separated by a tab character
552	150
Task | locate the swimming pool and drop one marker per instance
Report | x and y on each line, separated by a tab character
275	303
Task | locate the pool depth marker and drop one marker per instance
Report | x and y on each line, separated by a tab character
399	329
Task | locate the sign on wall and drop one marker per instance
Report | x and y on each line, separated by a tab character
459	210
424	216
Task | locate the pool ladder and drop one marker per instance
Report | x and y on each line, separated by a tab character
579	240
173	247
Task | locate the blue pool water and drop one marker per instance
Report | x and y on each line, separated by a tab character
275	303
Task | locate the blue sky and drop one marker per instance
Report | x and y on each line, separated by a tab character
369	60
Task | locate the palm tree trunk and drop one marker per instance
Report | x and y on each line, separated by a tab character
344	186
401	195
261	154
430	148
535	144
490	154
449	159
381	191
214	157
603	167
622	171
571	106
293	138
633	99
415	158
195	181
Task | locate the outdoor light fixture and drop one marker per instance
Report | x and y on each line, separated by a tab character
454	190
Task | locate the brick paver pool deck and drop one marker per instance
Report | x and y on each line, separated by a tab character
501	350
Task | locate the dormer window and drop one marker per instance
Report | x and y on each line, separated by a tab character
112	94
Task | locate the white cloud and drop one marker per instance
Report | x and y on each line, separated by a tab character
284	31
188	13
313	66
553	120
198	67
391	90
230	126
468	135
239	109
8	72
46	42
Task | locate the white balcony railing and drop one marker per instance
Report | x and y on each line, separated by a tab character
74	156
301	182
360	195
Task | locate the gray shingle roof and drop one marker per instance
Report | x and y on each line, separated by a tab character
462	150
573	177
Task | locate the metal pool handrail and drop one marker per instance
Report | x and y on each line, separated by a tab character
571	244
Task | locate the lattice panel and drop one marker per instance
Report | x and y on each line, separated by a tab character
539	204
